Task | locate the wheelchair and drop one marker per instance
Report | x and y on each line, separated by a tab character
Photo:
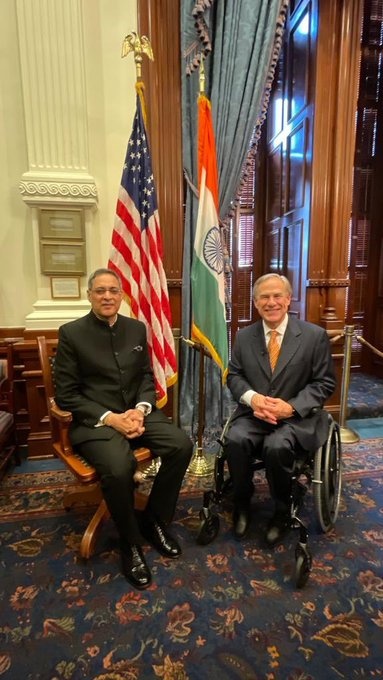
321	469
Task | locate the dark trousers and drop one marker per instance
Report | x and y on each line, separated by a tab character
115	464
275	446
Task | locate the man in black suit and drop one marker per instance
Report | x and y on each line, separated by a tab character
279	409
104	377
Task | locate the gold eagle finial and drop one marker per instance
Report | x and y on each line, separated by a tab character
139	46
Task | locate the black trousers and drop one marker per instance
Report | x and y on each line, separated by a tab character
276	446
115	464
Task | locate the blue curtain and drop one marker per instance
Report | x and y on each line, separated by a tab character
240	42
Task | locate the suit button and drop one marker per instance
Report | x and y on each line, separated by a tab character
116	354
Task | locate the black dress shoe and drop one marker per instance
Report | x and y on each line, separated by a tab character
156	534
278	526
241	519
134	567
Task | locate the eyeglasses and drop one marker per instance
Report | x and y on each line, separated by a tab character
102	291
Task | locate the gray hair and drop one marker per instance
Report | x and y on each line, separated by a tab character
266	277
100	272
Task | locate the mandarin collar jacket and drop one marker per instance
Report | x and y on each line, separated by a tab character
99	368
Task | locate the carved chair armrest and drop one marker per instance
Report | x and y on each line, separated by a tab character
59	414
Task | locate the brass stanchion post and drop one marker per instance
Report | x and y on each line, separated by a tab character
347	436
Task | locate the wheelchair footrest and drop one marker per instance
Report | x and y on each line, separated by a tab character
209	526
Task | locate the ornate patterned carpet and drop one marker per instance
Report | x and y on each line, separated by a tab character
365	397
227	610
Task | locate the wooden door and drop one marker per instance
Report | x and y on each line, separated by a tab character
289	138
371	362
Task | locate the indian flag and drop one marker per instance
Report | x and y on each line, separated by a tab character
207	275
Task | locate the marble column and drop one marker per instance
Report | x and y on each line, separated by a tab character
56	123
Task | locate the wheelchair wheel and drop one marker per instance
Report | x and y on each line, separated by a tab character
209	519
303	565
327	479
222	486
208	528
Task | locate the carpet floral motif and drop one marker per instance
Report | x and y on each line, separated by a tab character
228	610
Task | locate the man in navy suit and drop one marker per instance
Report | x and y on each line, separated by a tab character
104	377
279	410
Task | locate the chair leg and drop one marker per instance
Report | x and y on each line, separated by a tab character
82	495
140	500
89	538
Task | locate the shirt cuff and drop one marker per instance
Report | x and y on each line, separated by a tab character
101	421
247	397
144	407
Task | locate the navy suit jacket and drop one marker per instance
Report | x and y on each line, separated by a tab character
304	376
100	368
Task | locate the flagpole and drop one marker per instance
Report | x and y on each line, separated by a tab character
199	464
206	272
139	45
202	76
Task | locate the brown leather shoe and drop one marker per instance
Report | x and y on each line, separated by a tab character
134	567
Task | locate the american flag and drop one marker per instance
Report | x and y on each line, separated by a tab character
136	255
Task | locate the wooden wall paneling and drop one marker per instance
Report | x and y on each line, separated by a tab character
275	183
33	333
294	238
11	334
296	151
273	249
160	21
336	84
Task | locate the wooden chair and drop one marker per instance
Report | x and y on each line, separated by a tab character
88	491
8	443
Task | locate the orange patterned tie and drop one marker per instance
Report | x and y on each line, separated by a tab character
273	349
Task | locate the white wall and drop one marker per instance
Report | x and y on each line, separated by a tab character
110	97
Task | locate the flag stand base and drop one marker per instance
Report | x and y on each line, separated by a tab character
348	436
152	469
199	465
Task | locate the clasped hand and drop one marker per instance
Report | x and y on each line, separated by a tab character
130	423
271	409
